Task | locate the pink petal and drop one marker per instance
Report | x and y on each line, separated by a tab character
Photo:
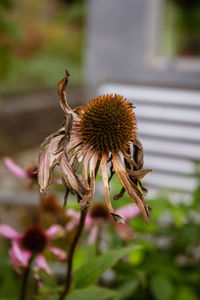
89	221
128	212
9	232
42	264
54	231
71	225
15	169
57	180
93	233
61	254
74	215
19	257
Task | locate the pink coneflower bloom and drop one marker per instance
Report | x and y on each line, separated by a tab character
99	215
102	132
29	173
32	243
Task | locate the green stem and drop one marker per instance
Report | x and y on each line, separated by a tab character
25	279
68	278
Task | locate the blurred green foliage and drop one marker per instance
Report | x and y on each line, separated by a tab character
181	31
38	41
161	263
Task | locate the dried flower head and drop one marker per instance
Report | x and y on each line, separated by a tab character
107	124
104	131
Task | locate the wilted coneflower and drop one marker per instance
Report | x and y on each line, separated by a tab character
102	132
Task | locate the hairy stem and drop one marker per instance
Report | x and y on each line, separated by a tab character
24	286
71	254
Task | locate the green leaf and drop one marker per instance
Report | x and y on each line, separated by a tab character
89	272
186	293
93	292
162	288
128	288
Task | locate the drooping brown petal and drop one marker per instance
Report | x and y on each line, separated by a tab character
138	153
68	128
129	160
85	166
47	160
112	172
143	188
74	164
129	186
48	139
103	168
120	195
70	178
138	174
87	199
66	197
61	93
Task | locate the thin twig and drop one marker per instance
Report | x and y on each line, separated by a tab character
71	254
22	295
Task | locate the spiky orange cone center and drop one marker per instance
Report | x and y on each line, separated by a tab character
107	123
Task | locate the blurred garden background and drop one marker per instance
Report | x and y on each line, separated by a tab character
149	52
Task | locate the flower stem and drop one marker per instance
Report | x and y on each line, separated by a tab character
25	278
71	254
40	210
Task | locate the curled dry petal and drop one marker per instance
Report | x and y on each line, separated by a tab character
61	92
68	127
138	174
130	187
103	167
118	218
120	195
70	178
138	153
87	199
47	160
